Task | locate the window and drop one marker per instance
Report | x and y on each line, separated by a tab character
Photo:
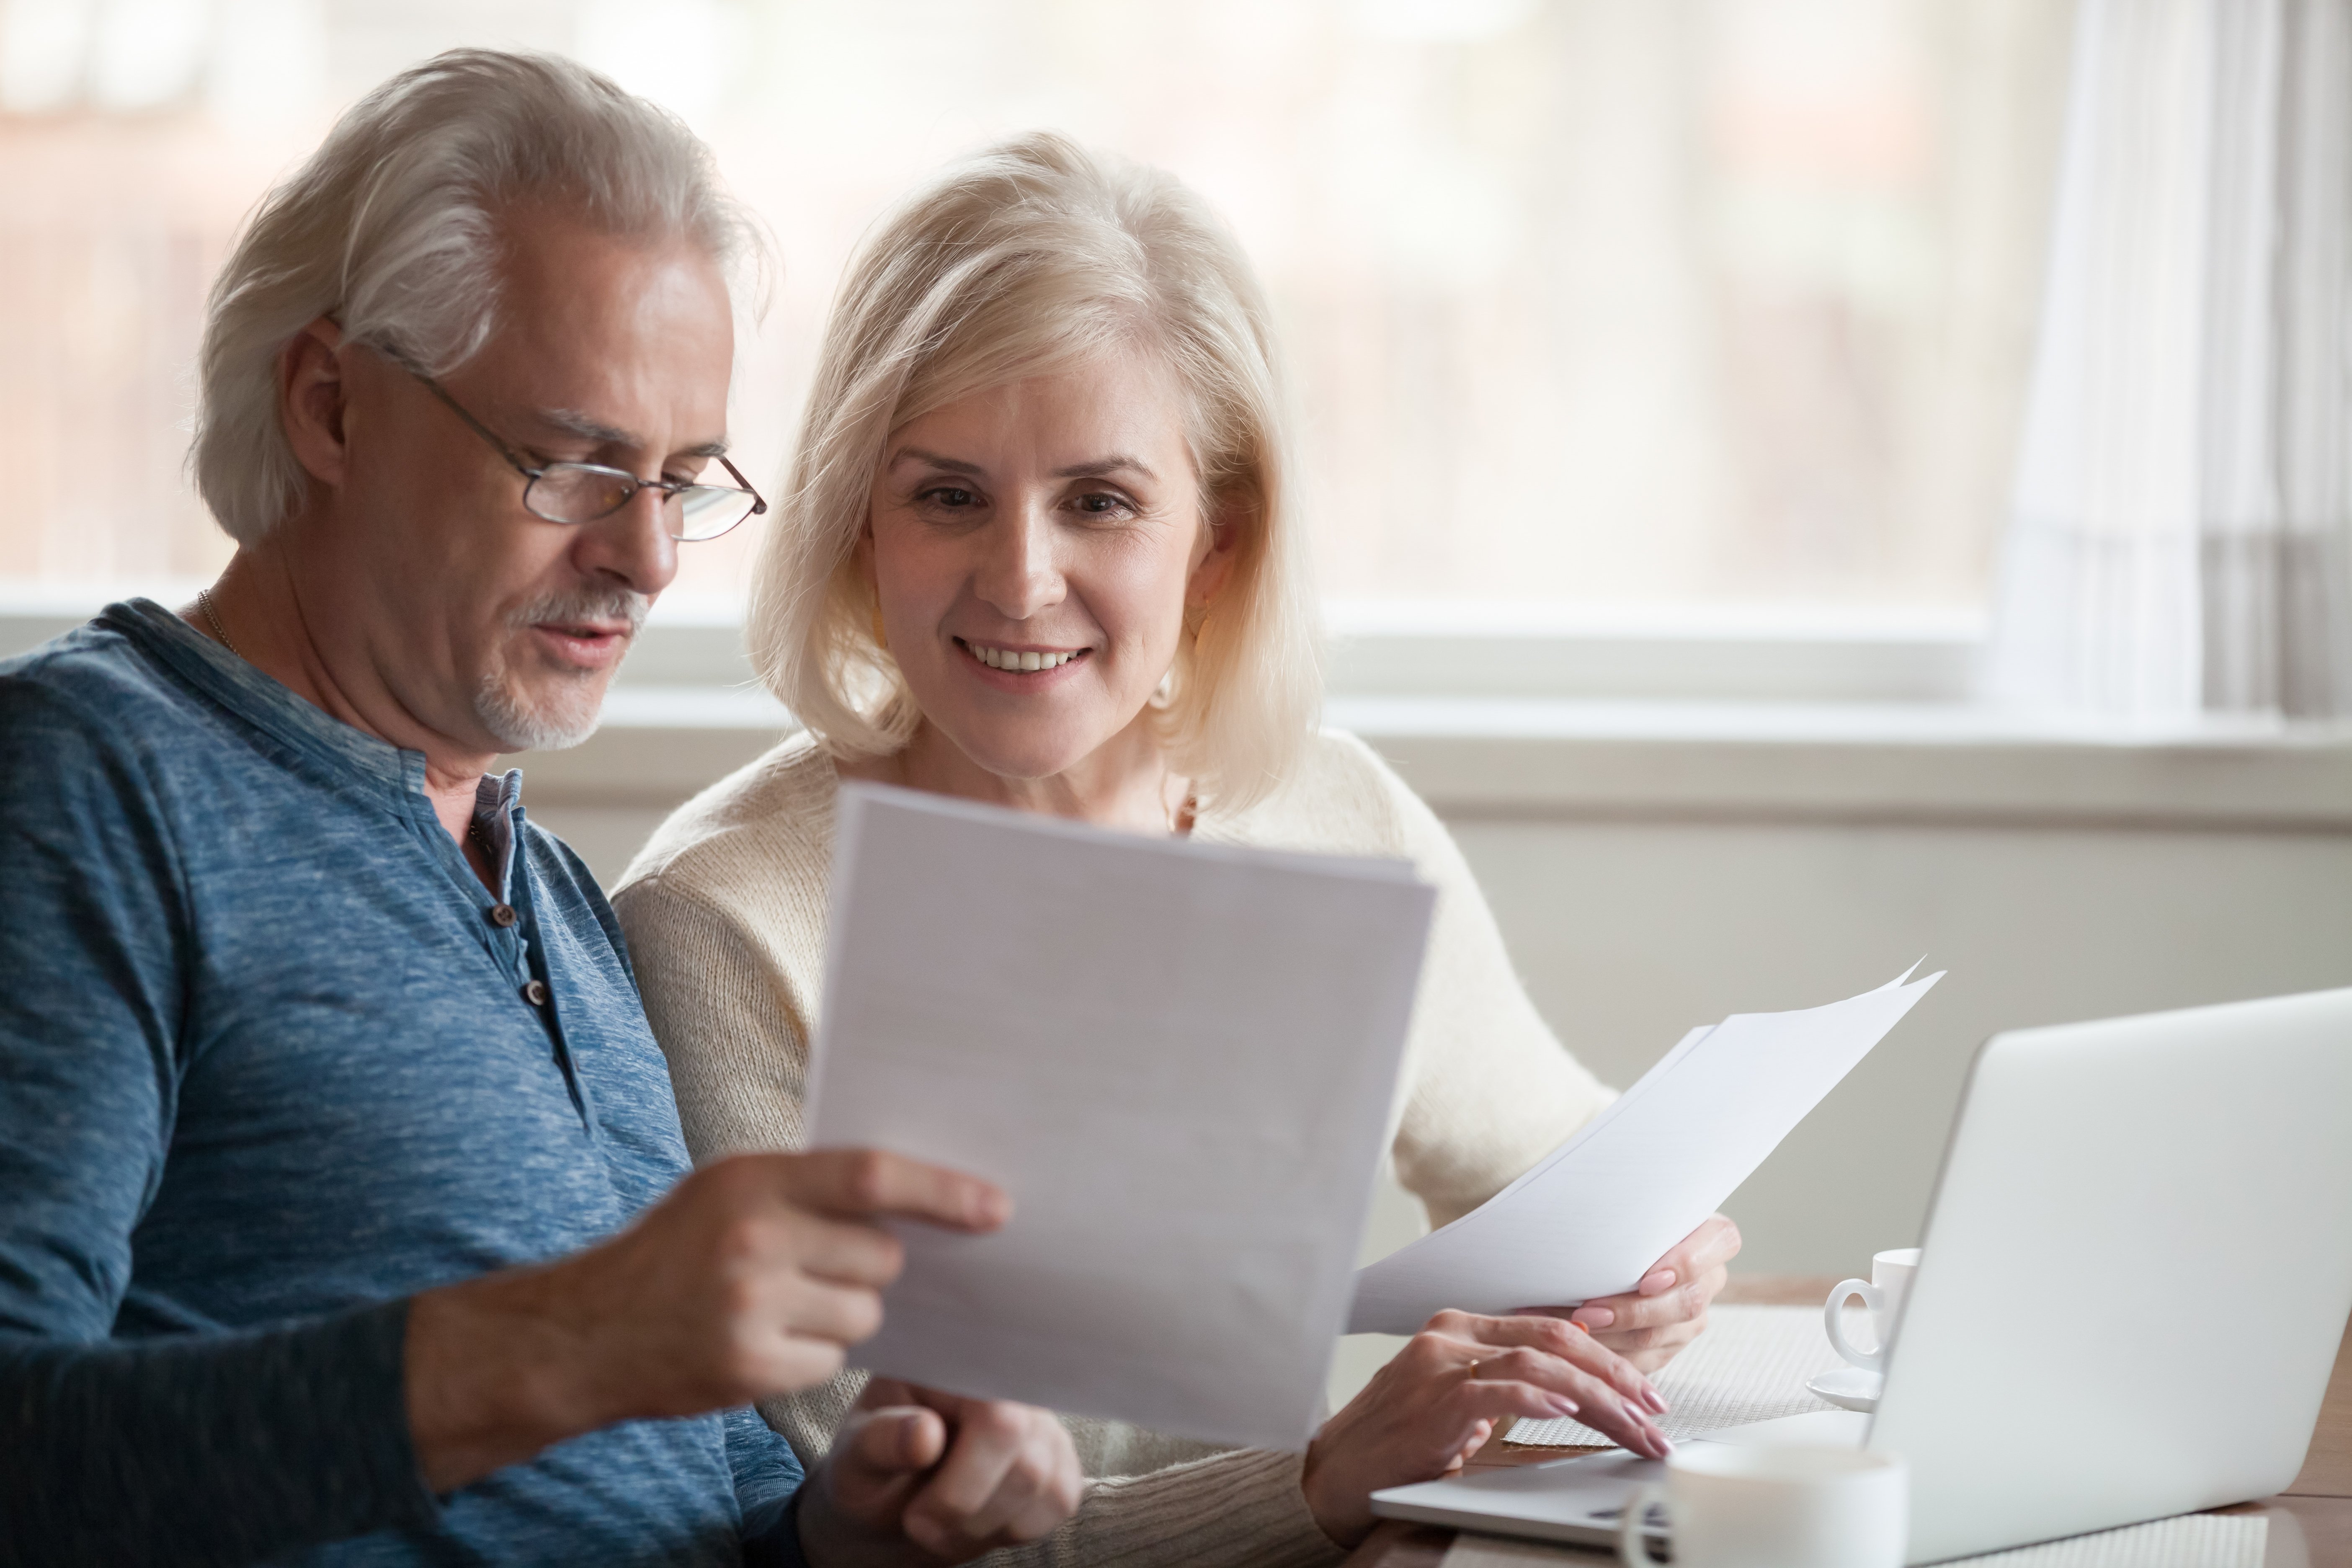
1711	302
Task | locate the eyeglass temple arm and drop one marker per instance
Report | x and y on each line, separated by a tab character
759	505
514	458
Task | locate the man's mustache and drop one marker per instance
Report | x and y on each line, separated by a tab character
588	604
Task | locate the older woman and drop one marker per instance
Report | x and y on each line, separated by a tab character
1040	549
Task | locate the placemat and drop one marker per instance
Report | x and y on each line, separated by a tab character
2191	1541
1751	1365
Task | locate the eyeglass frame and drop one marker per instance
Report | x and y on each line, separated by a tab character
531	475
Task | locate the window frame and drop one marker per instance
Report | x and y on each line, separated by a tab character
1852	718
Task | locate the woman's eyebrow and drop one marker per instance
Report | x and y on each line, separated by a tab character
933	460
1102	465
1094	470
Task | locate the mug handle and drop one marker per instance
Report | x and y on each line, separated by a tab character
1833	1309
1632	1543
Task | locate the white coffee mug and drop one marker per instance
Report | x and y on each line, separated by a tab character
1775	1508
1883	1293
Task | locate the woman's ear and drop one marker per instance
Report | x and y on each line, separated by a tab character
1214	557
312	399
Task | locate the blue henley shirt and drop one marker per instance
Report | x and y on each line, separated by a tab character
273	1059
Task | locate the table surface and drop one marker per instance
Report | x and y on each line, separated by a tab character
2320	1499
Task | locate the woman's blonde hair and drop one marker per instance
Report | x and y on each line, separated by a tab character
1027	259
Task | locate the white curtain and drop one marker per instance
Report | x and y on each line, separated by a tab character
2182	543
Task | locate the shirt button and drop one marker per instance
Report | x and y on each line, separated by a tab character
502	914
536	992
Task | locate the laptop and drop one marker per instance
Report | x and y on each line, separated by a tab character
2133	1283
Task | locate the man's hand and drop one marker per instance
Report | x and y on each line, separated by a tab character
1650	1324
926	1478
1441	1395
751	1278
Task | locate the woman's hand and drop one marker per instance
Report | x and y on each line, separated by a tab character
920	1476
1428	1410
1651	1323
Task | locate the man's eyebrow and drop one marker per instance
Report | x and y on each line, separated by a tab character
571	422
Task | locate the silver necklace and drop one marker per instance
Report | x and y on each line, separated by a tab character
212	617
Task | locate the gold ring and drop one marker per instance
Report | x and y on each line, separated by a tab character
1472	1373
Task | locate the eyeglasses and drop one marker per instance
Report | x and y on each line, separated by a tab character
583	493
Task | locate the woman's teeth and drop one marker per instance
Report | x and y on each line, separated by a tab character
1005	658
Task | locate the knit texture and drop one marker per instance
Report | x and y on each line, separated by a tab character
725	913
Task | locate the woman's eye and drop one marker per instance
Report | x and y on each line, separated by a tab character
949	496
1099	504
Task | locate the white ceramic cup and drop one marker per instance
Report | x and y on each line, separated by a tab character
1883	1293
1775	1508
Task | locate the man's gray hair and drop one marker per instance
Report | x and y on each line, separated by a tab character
390	229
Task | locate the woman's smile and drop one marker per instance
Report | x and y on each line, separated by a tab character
1008	659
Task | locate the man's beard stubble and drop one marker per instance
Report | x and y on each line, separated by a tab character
520	719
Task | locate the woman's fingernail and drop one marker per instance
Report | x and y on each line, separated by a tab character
1657	1279
1562	1405
1589	1317
1654	1399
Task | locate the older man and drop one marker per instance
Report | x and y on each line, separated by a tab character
333	1145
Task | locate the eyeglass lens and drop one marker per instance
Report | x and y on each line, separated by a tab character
583	493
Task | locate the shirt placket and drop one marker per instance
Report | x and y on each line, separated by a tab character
516	945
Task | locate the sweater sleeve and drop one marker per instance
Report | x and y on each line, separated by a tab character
1490	1091
1243	1506
205	1447
728	1019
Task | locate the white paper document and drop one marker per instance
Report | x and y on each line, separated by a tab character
1177	1058
1594	1215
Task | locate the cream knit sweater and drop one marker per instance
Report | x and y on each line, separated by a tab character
725	913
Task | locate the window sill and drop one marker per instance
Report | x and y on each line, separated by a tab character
1953	764
1788	717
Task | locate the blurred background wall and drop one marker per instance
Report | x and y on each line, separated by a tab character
1700	300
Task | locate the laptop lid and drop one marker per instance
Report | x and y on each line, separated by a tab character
2135	1275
